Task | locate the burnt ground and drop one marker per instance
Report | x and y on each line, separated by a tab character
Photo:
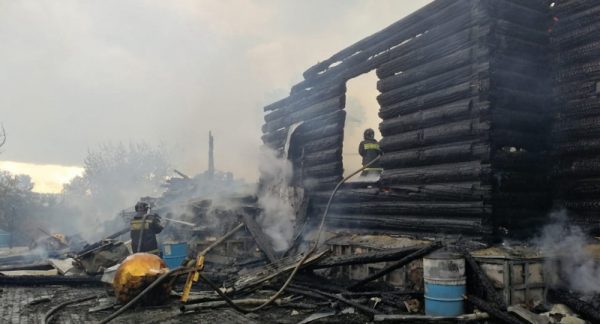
15	307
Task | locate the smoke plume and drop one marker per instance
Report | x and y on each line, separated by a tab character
276	199
564	246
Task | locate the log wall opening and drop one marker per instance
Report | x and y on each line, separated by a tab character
362	112
464	88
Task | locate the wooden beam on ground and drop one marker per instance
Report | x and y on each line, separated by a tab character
263	242
404	261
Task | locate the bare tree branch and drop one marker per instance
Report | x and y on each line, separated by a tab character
2	135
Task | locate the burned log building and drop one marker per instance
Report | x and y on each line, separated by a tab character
576	42
467	104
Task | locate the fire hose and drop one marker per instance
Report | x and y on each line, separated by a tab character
180	271
301	262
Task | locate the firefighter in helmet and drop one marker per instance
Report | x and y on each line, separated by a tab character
144	227
369	150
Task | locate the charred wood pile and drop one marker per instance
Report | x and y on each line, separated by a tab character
464	107
576	41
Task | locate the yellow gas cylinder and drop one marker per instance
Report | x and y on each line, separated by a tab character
136	273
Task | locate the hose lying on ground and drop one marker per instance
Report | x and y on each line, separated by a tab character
56	308
301	262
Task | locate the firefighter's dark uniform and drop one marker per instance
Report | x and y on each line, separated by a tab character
147	228
369	150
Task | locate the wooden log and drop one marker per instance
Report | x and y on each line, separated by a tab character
402	262
323	144
262	241
403	318
435	67
322	183
434	116
323	157
278	138
517	13
446	153
409	224
324	170
494	312
460	191
454	172
437	82
361	308
317	110
537	34
491	295
454	209
381	36
306	98
504	78
468	38
433	99
587	70
464	130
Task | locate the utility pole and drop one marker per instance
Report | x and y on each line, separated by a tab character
211	158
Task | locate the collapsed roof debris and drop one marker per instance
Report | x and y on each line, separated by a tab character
471	158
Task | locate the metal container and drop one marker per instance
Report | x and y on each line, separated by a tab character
445	284
174	254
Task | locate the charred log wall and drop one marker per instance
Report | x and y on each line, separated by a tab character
576	43
464	88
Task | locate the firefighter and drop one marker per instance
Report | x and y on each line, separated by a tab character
369	150
144	227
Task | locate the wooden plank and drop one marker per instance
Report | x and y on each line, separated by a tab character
262	241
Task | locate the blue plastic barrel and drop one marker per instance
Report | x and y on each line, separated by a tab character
174	254
445	284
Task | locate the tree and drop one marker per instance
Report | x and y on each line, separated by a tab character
115	177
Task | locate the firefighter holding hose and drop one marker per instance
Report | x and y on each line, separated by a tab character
144	226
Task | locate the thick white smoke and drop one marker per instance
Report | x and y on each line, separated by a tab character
276	198
564	246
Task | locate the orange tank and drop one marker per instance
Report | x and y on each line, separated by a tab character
136	273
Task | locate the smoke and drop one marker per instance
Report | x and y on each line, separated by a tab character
276	199
564	246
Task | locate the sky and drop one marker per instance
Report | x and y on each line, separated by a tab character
77	74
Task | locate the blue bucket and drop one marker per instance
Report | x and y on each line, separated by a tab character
445	284
174	253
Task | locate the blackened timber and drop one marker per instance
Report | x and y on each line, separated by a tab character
454	172
439	66
460	41
459	191
402	262
441	81
433	99
307	97
446	153
262	241
323	157
397	27
434	116
314	111
491	294
473	226
278	138
324	170
453	209
452	132
323	144
364	258
496	313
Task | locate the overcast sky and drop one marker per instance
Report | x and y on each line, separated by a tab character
75	74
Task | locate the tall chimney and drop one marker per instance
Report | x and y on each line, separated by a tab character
211	158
